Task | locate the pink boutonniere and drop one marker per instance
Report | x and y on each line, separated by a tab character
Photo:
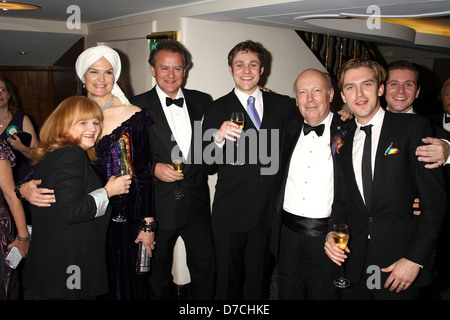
337	142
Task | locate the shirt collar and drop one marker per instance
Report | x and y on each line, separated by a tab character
326	121
243	97
376	120
162	95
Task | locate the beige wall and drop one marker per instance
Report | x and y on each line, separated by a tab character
209	43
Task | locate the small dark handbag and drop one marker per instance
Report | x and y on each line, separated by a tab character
24	137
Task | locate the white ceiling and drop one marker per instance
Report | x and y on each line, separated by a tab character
322	16
97	10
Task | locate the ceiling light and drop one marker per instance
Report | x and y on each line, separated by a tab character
17	6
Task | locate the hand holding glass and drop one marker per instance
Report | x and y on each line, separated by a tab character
239	119
178	165
341	237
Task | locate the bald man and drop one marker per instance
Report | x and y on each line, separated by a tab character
305	196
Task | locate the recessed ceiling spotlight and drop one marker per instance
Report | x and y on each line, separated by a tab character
22	53
17	6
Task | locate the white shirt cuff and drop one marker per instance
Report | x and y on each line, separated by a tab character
219	144
101	200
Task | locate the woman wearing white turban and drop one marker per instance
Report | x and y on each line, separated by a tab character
92	55
124	135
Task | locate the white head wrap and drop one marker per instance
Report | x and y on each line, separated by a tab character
92	55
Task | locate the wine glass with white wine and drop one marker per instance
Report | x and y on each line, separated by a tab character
341	237
178	165
239	119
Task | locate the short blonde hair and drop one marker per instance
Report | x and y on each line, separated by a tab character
55	132
378	71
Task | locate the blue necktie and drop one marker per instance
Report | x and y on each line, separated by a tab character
252	112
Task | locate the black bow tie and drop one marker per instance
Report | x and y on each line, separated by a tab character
319	129
178	102
447	118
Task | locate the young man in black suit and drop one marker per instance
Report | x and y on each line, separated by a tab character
402	89
383	233
243	203
176	112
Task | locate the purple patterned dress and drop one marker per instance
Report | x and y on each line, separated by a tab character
125	284
23	165
6	227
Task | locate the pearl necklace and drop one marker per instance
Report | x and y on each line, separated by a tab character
108	104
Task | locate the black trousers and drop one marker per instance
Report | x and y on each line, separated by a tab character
244	264
304	270
199	258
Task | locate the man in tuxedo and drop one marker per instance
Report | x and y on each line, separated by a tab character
378	176
242	210
445	95
305	195
175	112
443	119
402	89
442	124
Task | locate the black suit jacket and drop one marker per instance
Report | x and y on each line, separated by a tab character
437	119
398	179
244	195
288	145
195	206
67	234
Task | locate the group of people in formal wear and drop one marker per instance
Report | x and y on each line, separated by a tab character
103	184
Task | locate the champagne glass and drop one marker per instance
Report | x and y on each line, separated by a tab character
125	168
239	119
341	236
178	165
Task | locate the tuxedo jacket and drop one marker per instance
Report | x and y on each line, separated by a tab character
437	119
195	206
398	179
441	133
292	135
68	241
244	195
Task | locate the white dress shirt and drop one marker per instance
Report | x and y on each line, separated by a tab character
310	182
179	121
358	145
